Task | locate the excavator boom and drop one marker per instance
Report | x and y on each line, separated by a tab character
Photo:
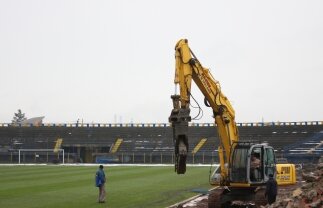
189	68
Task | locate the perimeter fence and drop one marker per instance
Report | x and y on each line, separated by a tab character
38	156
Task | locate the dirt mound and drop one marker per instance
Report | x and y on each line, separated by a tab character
307	193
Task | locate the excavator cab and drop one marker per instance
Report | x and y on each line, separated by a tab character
248	168
251	163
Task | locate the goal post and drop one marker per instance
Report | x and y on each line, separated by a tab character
41	150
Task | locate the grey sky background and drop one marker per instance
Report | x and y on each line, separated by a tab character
113	61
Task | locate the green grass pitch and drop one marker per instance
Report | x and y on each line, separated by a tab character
73	186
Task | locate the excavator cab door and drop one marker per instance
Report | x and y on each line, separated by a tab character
270	162
256	167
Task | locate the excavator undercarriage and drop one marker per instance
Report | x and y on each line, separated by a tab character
223	197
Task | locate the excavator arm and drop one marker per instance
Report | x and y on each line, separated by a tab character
189	68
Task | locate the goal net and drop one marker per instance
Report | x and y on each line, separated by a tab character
41	156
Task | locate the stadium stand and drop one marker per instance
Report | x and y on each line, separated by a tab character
152	143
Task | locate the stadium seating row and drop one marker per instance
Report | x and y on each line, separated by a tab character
286	139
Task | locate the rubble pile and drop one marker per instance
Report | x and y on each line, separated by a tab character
308	193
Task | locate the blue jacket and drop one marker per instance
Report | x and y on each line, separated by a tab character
99	178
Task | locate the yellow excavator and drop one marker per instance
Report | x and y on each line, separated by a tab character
240	178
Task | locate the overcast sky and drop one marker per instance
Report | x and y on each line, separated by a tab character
113	61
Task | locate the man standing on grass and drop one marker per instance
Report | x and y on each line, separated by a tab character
100	183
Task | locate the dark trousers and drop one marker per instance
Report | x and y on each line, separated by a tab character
271	199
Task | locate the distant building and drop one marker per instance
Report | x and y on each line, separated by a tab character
36	121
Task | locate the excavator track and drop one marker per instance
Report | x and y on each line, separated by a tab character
214	199
260	199
222	198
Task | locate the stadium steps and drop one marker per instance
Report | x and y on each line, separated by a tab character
317	140
116	145
149	139
58	144
199	145
307	145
